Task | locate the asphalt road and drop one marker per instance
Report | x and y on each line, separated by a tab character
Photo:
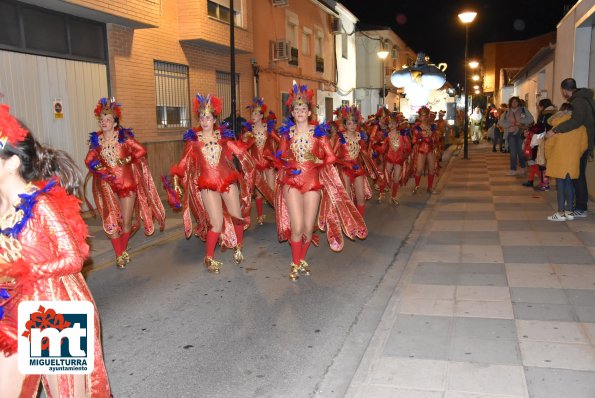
171	329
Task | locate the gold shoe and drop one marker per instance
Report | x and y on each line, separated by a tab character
126	256
415	189
121	262
294	272
260	219
212	265
380	197
394	201
238	257
431	190
304	268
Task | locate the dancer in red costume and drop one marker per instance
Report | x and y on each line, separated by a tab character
207	182
122	183
305	159
377	132
353	160
42	249
424	141
265	141
396	148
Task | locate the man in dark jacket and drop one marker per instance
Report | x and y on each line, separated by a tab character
583	108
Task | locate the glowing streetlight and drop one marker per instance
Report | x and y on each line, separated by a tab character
466	18
475	78
476	87
473	64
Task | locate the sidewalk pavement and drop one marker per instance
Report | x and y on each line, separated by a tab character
492	300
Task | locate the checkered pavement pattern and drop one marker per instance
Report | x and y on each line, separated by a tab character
495	300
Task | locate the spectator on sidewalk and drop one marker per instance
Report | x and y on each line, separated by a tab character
515	121
562	154
504	134
546	109
476	122
583	109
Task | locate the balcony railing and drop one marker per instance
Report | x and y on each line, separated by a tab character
293	59
319	64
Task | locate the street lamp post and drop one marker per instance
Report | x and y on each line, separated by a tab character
466	18
382	54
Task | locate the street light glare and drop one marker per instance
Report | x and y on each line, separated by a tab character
473	64
476	87
475	78
382	54
467	16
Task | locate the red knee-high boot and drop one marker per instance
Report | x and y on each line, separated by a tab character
124	240
212	238
117	244
395	189
430	181
304	251
296	251
239	230
361	209
417	180
259	205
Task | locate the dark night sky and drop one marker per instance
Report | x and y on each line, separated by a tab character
434	28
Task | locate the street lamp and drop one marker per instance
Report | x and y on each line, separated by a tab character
473	64
466	18
382	54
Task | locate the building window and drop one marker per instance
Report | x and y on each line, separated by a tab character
306	38
35	30
344	46
291	28
284	108
318	43
172	99
224	92
219	9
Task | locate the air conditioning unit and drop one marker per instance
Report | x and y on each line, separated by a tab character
280	3
336	27
280	50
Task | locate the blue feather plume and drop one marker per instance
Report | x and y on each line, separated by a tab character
93	140
190	135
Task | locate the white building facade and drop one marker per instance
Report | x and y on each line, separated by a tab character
345	55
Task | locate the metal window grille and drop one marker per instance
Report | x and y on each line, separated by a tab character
224	92
172	99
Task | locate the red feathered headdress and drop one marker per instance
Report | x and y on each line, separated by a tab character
11	130
300	95
345	112
210	104
424	110
258	105
108	107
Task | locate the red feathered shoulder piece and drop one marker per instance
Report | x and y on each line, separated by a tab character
10	129
70	206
